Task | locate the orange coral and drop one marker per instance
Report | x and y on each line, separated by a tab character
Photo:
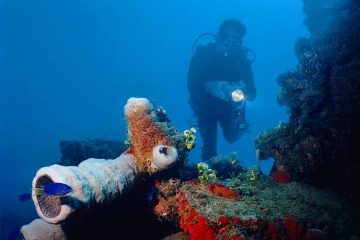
144	133
200	224
223	191
192	222
293	228
288	228
160	208
280	177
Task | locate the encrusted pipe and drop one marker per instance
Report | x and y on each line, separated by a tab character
99	181
94	181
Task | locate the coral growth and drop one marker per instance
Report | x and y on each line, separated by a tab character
298	151
274	211
206	174
225	165
280	177
194	224
319	145
190	138
223	191
147	130
279	228
143	132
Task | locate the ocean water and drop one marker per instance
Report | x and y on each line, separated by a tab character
68	68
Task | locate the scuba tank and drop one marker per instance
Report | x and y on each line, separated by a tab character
214	36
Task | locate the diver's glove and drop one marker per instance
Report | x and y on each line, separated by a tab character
224	90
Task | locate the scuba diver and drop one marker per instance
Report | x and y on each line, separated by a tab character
220	81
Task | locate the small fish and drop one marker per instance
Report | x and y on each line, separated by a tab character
153	191
151	194
54	189
50	189
24	197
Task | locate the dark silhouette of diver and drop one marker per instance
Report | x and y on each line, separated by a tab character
220	81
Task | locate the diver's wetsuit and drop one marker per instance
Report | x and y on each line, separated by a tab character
208	64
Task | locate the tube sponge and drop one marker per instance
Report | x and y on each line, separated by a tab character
163	157
94	181
145	135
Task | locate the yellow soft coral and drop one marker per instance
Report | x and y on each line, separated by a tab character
190	138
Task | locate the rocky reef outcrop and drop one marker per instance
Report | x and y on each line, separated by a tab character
74	152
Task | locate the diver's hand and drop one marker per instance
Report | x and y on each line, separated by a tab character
215	88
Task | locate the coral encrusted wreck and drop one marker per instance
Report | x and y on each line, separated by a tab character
154	146
320	143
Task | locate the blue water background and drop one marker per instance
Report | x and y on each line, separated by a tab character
68	68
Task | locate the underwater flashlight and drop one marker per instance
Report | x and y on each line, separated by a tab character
237	95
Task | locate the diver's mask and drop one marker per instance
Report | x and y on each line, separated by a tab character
230	42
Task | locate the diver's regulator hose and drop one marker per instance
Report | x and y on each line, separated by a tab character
252	57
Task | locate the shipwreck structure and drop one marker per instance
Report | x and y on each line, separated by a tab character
320	143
